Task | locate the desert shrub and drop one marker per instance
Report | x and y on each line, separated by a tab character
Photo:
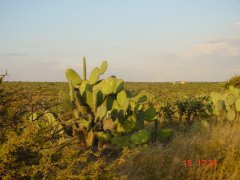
185	111
22	142
234	81
167	161
33	147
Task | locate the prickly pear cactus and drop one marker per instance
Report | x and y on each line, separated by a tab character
227	105
140	137
105	112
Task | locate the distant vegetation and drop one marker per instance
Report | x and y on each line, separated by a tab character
234	81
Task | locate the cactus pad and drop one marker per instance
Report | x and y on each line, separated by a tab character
90	138
108	85
83	87
101	112
149	114
231	115
130	124
238	105
103	67
121	142
165	134
230	99
219	105
119	86
73	77
140	137
94	76
122	98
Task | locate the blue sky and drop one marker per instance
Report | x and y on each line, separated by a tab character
142	40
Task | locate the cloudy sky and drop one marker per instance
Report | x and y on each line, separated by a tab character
142	40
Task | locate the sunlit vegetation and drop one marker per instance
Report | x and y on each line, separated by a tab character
177	131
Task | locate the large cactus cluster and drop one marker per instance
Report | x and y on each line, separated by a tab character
227	105
105	113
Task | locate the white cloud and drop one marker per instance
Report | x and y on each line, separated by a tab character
228	47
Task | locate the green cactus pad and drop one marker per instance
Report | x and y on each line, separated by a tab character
121	116
140	98
114	114
149	114
132	106
109	101
238	105
115	105
119	86
89	98
235	91
130	124
230	99
122	98
165	134
99	98
84	85
108	85
140	137
73	77
121	142
94	76
125	106
219	105
231	115
139	107
140	120
103	67
215	96
90	138
78	99
108	124
120	128
101	112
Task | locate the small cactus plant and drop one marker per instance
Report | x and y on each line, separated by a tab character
105	112
227	105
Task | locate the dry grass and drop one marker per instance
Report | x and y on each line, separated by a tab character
221	143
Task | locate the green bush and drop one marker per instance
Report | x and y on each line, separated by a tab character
234	81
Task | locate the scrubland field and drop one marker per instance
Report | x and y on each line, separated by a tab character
192	140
